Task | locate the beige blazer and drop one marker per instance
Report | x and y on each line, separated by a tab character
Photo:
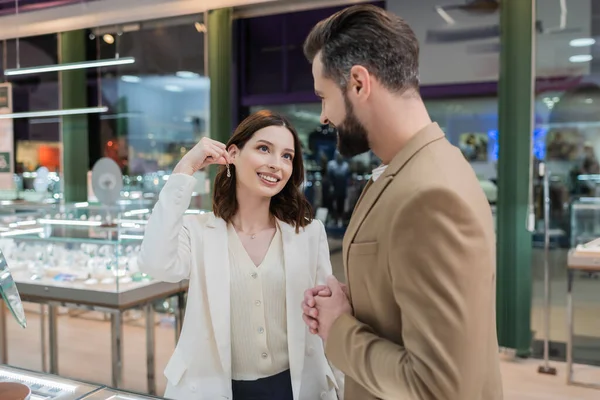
195	247
420	261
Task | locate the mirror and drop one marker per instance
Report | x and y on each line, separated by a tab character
10	294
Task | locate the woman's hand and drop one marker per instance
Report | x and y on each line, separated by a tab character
203	154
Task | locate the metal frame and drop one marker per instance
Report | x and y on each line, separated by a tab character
116	313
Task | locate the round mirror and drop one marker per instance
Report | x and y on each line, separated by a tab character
107	181
10	294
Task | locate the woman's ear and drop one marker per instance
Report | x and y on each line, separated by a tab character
233	151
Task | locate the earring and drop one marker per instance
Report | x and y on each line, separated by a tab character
228	171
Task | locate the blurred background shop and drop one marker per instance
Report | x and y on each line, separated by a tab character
141	82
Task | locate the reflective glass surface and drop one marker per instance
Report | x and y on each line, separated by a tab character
10	294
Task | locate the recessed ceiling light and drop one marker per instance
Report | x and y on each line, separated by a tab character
173	88
130	78
580	58
187	74
108	38
582	42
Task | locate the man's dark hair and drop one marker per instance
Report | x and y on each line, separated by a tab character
369	36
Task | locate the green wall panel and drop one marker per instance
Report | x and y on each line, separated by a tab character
74	130
515	128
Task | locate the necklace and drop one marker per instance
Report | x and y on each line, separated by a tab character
252	235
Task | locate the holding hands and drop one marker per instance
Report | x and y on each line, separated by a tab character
206	152
324	304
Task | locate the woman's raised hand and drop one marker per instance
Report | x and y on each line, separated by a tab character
206	152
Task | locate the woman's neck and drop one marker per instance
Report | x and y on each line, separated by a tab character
253	213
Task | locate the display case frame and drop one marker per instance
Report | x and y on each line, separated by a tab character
116	228
585	220
52	387
48	387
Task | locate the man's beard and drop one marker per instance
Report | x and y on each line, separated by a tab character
352	135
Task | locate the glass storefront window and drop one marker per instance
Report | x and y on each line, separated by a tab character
159	105
35	141
469	123
567	139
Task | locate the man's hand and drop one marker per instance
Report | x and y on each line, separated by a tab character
330	308
309	311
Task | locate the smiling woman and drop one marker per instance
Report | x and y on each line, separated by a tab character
267	164
248	265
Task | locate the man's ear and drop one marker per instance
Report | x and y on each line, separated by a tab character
359	85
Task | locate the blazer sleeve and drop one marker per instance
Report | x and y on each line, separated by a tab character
165	252
441	271
324	269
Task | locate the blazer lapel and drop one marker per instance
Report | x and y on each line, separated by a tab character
216	266
373	191
295	275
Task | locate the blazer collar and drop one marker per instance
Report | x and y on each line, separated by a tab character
373	190
425	136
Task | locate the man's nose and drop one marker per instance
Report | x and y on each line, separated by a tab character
324	120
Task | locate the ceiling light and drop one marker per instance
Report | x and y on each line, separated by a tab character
187	74
580	58
582	42
442	13
173	88
200	27
55	113
131	78
70	66
108	38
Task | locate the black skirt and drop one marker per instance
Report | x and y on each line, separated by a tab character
276	387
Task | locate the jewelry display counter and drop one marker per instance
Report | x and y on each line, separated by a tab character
113	394
51	387
582	258
47	387
81	259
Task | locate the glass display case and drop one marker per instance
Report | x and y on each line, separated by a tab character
585	220
47	387
79	248
85	257
113	394
92	249
51	387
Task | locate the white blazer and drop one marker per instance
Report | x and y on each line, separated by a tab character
195	247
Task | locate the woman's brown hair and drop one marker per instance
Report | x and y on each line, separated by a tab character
289	205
